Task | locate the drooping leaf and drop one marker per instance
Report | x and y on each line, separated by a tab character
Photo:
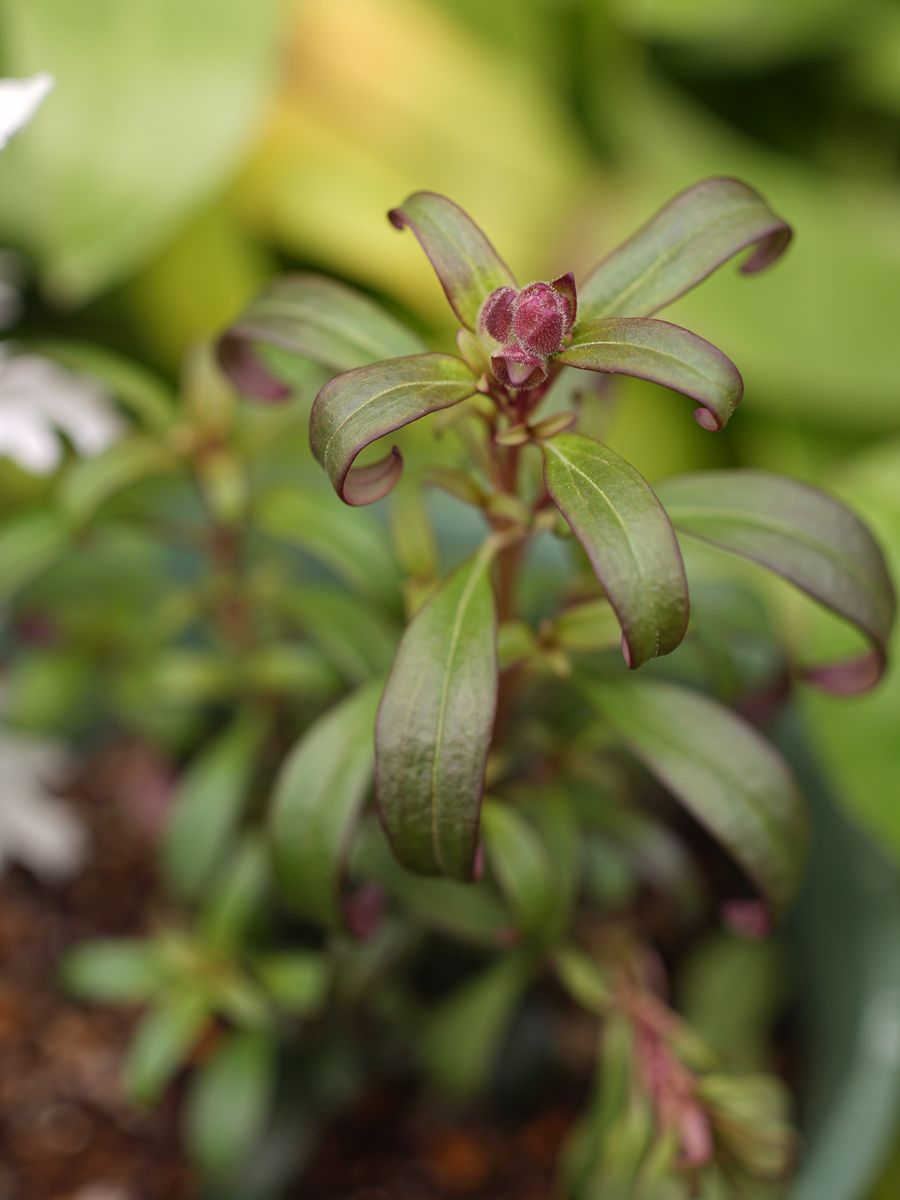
317	798
628	538
113	970
808	537
465	262
228	1102
161	1043
435	722
359	407
731	779
353	545
316	318
700	229
463	1037
665	354
208	805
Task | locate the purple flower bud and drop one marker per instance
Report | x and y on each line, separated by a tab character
539	319
496	313
565	288
517	368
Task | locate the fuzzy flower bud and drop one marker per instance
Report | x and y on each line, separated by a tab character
532	325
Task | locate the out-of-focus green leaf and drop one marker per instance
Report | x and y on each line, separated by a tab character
228	1102
809	538
29	543
236	896
664	354
296	980
435	723
464	261
131	383
318	319
113	970
591	625
208	805
90	482
463	1037
116	178
583	979
317	799
359	407
163	1040
627	536
352	634
352	544
700	229
412	532
721	770
520	862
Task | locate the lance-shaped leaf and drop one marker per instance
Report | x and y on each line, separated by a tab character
687	240
665	354
435	722
467	265
358	407
317	798
721	770
628	538
316	318
808	537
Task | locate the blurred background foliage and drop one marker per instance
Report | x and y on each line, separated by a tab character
192	149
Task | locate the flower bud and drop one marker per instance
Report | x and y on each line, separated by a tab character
517	368
539	319
496	315
531	325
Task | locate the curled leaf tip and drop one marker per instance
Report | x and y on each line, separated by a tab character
365	485
242	365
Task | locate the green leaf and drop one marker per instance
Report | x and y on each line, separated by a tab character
236	896
806	536
318	795
112	970
90	482
351	634
161	1043
361	406
208	806
29	543
462	1040
465	262
627	536
684	242
296	980
228	1103
520	862
726	775
131	383
116	179
664	354
435	723
583	979
353	545
589	626
315	318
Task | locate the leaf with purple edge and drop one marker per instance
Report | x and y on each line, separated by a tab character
435	723
808	537
724	772
357	408
696	232
626	534
664	354
465	262
315	318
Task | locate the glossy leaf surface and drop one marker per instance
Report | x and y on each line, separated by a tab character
664	354
810	538
726	775
684	242
315	318
317	797
435	722
628	538
467	265
358	407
